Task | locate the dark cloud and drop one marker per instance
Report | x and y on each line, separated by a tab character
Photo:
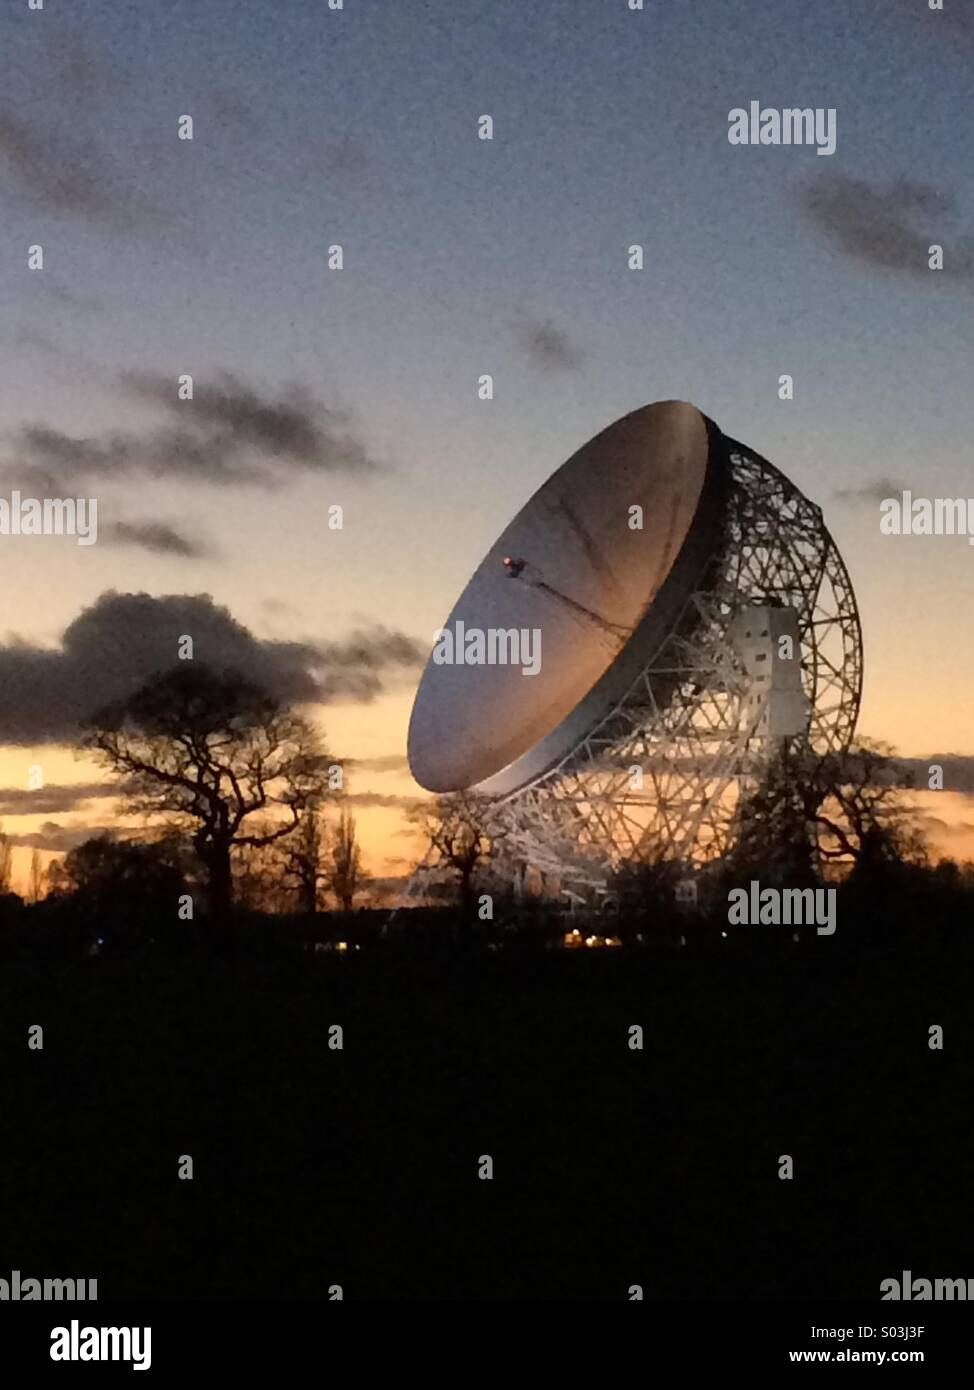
229	433
52	800
354	667
112	647
548	346
228	407
55	157
874	490
61	838
51	172
958	771
154	536
890	226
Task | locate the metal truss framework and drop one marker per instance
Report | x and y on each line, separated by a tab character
661	774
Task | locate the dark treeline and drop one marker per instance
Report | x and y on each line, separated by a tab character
136	917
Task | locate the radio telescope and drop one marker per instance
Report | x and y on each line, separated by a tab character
689	611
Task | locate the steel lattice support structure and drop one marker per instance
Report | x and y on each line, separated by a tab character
661	774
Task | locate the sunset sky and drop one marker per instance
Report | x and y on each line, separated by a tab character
358	386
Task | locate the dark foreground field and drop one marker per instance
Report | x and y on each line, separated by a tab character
359	1167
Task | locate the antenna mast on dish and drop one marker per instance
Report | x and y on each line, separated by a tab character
523	569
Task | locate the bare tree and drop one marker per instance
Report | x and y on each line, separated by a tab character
57	882
302	860
865	818
113	876
343	872
647	887
459	829
850	809
256	877
35	889
6	862
217	755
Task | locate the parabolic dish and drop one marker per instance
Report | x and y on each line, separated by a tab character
599	592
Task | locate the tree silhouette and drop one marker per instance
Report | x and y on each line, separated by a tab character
343	871
461	835
810	809
255	877
225	762
6	862
119	879
645	889
35	890
302	860
777	833
866	819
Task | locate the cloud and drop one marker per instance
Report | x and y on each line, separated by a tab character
53	799
386	802
547	346
62	158
947	830
154	536
392	762
354	667
958	771
61	838
229	433
890	226
52	172
113	646
276	606
293	428
876	490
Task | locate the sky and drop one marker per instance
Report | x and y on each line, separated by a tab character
316	387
